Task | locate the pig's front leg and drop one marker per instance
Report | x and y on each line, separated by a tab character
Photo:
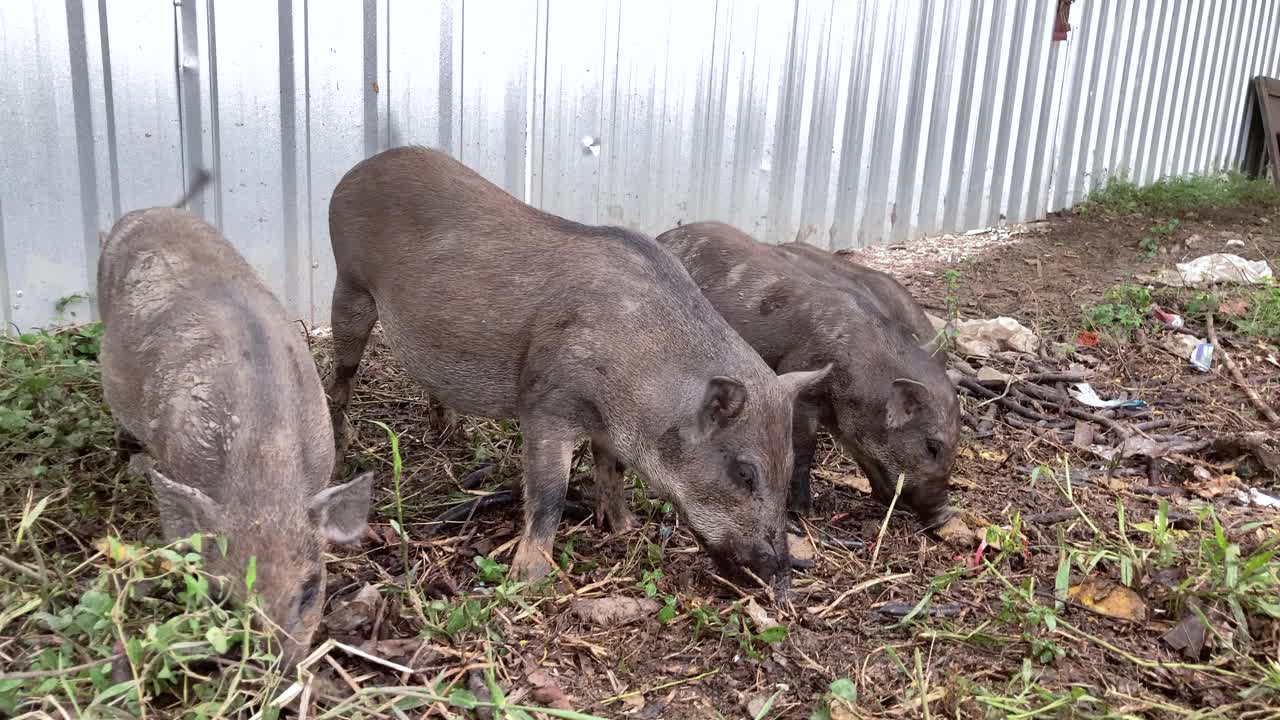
804	439
548	454
127	445
611	498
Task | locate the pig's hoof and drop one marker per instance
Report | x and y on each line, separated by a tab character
529	563
618	521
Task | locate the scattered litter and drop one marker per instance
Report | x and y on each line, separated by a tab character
1106	597
984	338
1181	344
957	533
1087	338
1202	357
614	611
1236	242
759	616
1209	485
1172	321
800	548
1257	497
1213	269
990	374
1084	393
902	609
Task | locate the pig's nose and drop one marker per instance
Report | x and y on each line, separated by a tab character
936	516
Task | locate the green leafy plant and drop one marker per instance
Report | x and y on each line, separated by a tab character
1124	311
1150	243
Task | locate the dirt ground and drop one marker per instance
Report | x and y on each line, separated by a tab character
843	614
1065	610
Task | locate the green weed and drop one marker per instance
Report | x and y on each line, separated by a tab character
1179	195
1150	244
1124	310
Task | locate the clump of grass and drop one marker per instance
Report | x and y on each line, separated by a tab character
1124	310
51	406
1256	312
1150	244
1175	195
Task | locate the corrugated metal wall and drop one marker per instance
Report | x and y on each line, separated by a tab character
870	121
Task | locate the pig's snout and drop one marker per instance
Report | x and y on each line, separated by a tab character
933	511
768	562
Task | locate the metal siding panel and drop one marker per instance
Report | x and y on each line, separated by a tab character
250	187
145	100
1025	186
849	179
42	240
876	218
941	124
495	59
335	45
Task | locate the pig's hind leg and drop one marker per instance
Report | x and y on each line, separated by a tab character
354	312
611	498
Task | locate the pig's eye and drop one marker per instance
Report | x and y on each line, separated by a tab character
933	447
746	475
310	590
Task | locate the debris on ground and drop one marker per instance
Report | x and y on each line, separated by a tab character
611	612
957	533
1215	269
1085	394
984	338
1109	598
349	616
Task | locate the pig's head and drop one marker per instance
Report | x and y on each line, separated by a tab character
907	426
726	465
285	543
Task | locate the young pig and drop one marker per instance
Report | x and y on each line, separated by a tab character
501	310
891	298
204	371
885	399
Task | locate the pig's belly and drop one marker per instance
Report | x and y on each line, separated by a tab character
478	379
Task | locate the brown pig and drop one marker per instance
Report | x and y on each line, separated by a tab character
204	371
890	297
501	310
886	400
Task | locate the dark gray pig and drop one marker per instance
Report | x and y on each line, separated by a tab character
204	371
891	298
885	399
501	310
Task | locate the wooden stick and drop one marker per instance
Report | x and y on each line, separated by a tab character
1257	400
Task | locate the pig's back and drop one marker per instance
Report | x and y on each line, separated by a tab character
201	364
466	278
890	296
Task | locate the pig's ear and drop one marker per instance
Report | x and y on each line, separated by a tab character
184	510
906	399
341	512
723	403
798	383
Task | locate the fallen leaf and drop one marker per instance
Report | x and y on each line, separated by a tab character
1234	307
1187	636
614	611
634	703
1210	485
996	456
957	533
1084	435
348	616
800	548
758	616
547	692
399	650
853	482
964	483
990	374
755	705
1087	338
1109	598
